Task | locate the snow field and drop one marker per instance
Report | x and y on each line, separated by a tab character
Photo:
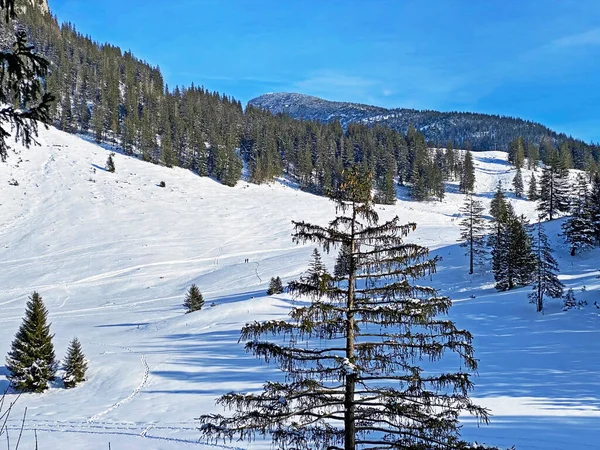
113	254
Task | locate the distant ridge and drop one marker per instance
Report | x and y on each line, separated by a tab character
481	131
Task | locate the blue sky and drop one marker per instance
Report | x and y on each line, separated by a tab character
535	59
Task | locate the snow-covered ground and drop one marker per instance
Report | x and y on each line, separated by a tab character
113	254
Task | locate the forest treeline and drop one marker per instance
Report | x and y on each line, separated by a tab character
122	100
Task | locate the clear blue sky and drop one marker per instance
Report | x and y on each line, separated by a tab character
535	59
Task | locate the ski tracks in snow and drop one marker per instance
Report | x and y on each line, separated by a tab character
135	392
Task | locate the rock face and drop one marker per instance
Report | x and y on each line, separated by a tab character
42	5
480	131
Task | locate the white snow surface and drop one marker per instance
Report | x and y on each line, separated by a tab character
112	255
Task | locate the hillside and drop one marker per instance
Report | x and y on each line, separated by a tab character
113	254
482	131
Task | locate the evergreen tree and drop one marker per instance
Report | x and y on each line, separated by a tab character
518	183
553	198
275	286
593	208
342	262
472	229
513	262
546	283
467	178
579	229
22	75
31	361
110	163
75	364
194	301
532	194
569	300
317	275
516	152
351	357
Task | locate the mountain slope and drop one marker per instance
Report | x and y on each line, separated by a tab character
113	254
482	131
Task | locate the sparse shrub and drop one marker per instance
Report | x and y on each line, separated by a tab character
162	184
275	286
193	299
110	164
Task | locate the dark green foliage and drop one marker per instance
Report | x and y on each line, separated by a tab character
545	281
467	176
593	208
518	184
75	364
579	230
569	300
532	193
194	301
553	197
516	152
351	358
317	275
473	229
31	361
342	262
110	163
22	96
275	286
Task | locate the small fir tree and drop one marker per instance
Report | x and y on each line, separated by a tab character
532	193
518	183
110	164
579	230
75	364
342	262
193	299
31	362
545	281
472	229
275	286
569	300
317	275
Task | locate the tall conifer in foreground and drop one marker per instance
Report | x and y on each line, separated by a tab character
472	226
351	358
545	281
579	229
31	361
75	364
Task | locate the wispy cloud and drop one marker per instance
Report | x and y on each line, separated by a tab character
589	38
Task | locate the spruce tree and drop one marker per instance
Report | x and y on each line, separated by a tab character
472	229
75	364
275	286
518	183
317	275
194	301
513	262
532	193
110	163
351	358
578	230
467	177
553	198
31	361
545	281
593	208
342	262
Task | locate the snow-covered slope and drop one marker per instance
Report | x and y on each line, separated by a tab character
113	254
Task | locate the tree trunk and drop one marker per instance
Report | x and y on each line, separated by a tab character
349	425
